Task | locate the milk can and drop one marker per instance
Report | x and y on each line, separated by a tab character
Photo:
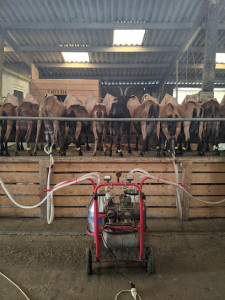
101	203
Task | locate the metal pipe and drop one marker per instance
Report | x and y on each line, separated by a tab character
114	119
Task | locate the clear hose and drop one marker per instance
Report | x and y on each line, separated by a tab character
144	174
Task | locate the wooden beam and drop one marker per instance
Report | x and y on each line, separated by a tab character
95	25
155	79
16	74
208	75
120	66
64	48
1	60
201	66
99	66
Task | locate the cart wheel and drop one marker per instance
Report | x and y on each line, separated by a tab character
88	261
150	263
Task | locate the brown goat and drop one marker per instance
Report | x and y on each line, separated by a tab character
7	110
99	128
1	132
50	106
192	109
170	130
148	109
26	109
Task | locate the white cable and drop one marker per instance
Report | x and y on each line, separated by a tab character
149	175
125	291
50	203
14	285
178	201
60	185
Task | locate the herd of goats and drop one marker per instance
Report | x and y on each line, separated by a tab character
173	135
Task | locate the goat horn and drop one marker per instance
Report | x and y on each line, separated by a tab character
126	89
121	90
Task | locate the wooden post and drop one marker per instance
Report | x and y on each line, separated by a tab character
1	60
43	164
186	179
208	74
34	72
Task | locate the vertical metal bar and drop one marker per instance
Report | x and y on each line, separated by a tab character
141	227
177	62
96	238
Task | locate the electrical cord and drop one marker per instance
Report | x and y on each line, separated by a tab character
14	285
132	290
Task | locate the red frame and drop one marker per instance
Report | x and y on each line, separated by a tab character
98	228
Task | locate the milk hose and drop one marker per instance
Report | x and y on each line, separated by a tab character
144	174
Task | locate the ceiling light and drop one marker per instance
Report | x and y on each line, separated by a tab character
128	37
220	58
76	56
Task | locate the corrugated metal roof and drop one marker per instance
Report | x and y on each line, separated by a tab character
89	23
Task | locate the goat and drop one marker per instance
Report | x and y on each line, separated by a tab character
170	130
148	109
191	108
211	109
99	128
76	111
50	106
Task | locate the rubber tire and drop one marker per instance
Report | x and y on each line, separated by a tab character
88	261
150	261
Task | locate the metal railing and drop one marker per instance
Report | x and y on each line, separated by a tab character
73	119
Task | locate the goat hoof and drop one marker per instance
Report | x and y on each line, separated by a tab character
201	153
179	153
141	154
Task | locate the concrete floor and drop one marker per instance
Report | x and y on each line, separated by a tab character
48	261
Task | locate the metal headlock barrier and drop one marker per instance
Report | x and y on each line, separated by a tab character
73	119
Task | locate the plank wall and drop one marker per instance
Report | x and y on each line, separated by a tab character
81	88
26	177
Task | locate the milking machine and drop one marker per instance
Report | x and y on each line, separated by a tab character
119	222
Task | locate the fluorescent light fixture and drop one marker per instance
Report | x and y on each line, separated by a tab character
128	37
220	58
76	56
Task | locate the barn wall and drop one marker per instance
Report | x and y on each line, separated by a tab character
26	177
11	82
81	88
